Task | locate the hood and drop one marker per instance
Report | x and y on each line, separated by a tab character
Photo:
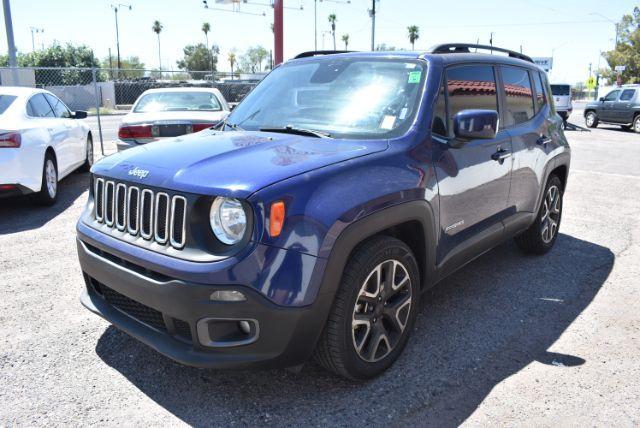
229	163
174	116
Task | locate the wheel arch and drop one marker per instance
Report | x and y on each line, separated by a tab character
411	222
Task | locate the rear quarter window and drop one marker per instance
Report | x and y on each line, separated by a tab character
5	102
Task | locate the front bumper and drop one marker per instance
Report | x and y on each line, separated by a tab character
164	313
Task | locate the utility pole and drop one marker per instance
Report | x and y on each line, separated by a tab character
115	10
372	12
278	47
491	41
9	27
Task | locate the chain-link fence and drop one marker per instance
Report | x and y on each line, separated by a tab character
108	92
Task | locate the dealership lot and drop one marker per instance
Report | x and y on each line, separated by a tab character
506	340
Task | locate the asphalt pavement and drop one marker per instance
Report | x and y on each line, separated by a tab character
508	340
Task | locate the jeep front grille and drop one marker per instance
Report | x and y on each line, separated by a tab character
152	215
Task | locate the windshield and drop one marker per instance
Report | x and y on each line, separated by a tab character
342	97
560	90
177	101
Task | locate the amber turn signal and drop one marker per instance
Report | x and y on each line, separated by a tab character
276	218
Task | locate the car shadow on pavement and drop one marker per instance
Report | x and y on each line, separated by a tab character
485	323
18	214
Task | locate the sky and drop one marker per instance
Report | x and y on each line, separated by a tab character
574	31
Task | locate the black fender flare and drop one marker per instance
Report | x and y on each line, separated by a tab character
359	231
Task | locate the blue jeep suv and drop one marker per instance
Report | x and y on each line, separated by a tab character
310	222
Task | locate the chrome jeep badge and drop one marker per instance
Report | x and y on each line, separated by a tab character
137	172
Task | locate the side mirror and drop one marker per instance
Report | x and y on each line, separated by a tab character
601	99
79	114
475	125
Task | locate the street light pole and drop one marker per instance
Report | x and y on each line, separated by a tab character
8	23
373	24
33	40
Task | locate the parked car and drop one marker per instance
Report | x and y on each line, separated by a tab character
41	142
171	112
619	107
562	99
338	191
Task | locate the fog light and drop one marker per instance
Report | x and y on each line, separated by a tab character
227	296
244	327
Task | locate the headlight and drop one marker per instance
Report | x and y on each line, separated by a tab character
228	220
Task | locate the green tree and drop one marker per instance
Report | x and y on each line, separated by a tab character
332	21
627	51
199	58
251	61
345	40
57	55
157	28
206	27
414	34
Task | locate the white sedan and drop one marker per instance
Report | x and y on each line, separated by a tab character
171	112
41	142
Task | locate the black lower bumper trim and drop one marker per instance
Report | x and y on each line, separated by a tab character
135	304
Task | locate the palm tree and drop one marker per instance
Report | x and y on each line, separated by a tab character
206	27
157	28
414	34
332	20
345	39
232	61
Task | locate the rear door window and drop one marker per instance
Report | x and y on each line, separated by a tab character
627	94
39	107
519	96
470	87
58	106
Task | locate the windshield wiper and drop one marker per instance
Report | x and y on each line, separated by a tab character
298	131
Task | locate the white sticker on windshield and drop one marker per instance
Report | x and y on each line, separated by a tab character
388	122
403	114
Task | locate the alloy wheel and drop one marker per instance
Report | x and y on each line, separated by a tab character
590	119
381	311
51	178
636	125
550	214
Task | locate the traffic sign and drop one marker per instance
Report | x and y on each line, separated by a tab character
620	68
591	83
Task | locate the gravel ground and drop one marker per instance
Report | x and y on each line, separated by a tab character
508	340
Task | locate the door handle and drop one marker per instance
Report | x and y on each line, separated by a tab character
543	141
500	155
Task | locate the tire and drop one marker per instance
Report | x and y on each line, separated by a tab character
636	124
48	193
86	166
542	234
591	119
364	310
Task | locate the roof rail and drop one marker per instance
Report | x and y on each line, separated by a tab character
315	53
465	48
